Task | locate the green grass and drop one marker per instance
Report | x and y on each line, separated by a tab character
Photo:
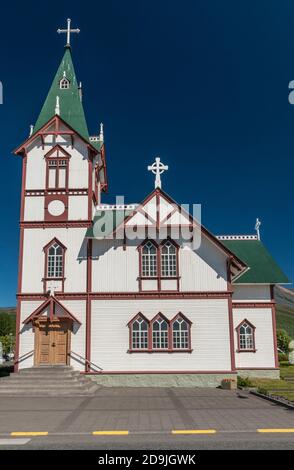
278	387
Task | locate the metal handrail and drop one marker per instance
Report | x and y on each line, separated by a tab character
90	363
23	357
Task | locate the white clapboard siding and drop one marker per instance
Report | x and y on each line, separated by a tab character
27	336
34	208
258	293
78	207
203	269
210	335
34	258
261	318
78	335
113	268
117	270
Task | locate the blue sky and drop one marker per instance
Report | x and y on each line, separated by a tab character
202	84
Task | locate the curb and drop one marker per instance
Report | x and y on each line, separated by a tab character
277	401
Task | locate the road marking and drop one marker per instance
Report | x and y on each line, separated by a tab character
193	431
276	430
14	442
30	433
110	433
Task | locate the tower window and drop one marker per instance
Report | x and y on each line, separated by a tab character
55	260
64	83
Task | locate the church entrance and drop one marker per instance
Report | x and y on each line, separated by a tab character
52	341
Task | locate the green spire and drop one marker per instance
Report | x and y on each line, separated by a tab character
70	105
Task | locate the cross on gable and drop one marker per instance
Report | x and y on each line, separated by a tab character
68	31
157	169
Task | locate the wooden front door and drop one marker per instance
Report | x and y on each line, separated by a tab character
52	342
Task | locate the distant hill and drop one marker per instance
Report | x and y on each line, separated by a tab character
9	310
285	309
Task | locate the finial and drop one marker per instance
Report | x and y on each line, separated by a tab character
80	91
101	135
257	225
57	106
31	129
157	169
68	31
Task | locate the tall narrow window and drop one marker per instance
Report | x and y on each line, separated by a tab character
139	334
168	260
181	334
246	338
55	261
57	174
149	260
160	329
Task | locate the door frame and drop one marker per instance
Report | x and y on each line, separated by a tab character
37	342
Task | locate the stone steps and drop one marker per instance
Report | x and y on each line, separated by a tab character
47	381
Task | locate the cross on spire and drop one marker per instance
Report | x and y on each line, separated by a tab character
68	31
157	169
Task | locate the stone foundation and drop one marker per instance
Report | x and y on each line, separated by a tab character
161	380
260	373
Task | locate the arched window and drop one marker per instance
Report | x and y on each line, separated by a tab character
149	259
181	334
55	261
246	339
139	333
64	83
168	259
160	328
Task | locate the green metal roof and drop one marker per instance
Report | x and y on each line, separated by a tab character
263	268
105	222
71	108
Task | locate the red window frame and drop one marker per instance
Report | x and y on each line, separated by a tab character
239	349
61	156
46	253
150	349
159	275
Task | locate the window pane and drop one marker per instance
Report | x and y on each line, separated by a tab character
61	177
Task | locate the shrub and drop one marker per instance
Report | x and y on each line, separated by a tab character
283	340
283	357
244	382
262	390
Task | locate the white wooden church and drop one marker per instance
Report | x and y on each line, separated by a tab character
117	291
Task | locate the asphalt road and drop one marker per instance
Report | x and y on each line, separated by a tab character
146	418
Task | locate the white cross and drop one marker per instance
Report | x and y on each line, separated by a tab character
68	31
157	169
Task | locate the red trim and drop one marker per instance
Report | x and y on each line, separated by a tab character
41	132
150	349
239	349
274	326
252	304
257	368
178	372
56	224
20	264
131	295
46	278
230	312
88	305
51	301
